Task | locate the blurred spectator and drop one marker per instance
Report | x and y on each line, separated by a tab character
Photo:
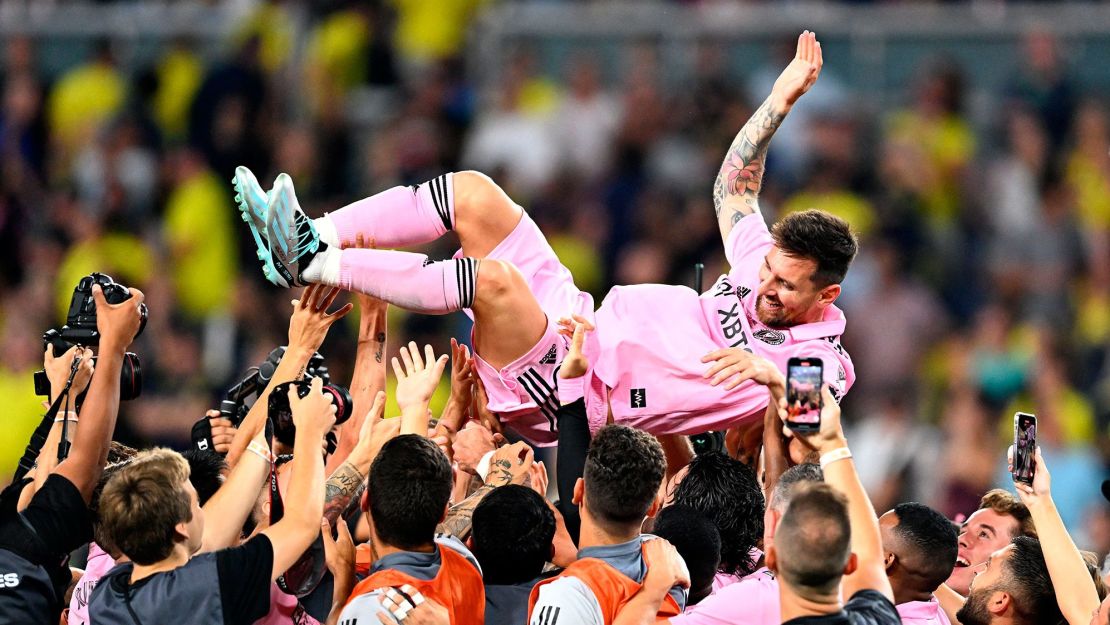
83	98
1043	83
587	121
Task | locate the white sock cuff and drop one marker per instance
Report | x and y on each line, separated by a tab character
325	227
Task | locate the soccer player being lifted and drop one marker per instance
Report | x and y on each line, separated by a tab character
652	342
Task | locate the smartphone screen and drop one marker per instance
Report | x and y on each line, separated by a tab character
1025	445
803	394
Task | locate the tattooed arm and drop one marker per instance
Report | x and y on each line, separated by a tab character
343	488
369	373
460	516
736	189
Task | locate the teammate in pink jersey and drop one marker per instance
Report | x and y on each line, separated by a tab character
509	280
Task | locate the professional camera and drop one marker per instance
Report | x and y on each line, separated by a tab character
282	415
80	329
235	407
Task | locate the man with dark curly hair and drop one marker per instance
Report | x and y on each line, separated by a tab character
727	492
618	490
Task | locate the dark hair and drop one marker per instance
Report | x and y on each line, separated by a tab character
727	492
698	542
206	472
931	544
624	468
813	540
805	473
513	530
409	487
818	236
1030	584
1006	503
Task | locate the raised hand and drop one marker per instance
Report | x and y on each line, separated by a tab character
480	408
309	324
117	323
223	432
58	368
800	74
462	374
1041	488
472	443
417	381
575	364
510	464
313	414
831	434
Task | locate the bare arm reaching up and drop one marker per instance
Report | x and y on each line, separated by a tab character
736	190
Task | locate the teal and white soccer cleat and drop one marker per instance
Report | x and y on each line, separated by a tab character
290	238
252	202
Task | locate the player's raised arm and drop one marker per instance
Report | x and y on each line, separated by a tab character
736	190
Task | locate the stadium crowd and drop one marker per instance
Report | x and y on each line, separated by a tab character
980	289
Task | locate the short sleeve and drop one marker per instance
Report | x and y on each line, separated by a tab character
244	573
58	520
566	601
748	242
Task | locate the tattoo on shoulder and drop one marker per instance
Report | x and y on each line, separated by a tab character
741	174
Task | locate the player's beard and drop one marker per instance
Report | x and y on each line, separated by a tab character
974	610
771	316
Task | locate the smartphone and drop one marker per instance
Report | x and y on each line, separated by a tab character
1025	446
804	377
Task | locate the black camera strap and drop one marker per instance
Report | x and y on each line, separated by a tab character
38	438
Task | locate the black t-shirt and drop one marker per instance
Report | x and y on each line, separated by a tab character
37	543
866	607
245	573
188	593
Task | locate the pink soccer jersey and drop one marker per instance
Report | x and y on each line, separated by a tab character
753	600
96	567
651	339
922	613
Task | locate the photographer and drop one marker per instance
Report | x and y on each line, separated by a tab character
35	542
151	513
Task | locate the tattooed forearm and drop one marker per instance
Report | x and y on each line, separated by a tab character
459	518
380	338
500	473
342	488
741	174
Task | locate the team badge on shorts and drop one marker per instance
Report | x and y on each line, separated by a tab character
770	337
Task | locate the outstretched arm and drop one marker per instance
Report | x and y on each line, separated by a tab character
1075	591
736	190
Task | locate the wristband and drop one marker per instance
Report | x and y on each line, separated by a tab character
60	419
840	453
261	450
483	465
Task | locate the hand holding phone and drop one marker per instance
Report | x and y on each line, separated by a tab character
1025	446
804	377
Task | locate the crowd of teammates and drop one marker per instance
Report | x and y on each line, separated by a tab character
418	520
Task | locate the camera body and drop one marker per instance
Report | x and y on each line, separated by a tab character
235	407
80	329
281	415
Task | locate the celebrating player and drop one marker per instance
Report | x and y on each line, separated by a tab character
649	368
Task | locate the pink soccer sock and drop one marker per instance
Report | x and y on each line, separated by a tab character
399	216
409	280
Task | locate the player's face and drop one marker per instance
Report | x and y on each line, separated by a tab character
985	532
787	296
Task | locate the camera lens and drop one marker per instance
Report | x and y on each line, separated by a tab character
342	400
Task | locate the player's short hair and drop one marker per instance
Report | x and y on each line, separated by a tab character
1028	581
512	533
142	504
1006	503
818	236
805	473
624	468
813	540
727	492
206	472
409	487
928	543
698	542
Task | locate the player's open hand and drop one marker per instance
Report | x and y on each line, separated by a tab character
417	381
309	324
733	366
800	75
